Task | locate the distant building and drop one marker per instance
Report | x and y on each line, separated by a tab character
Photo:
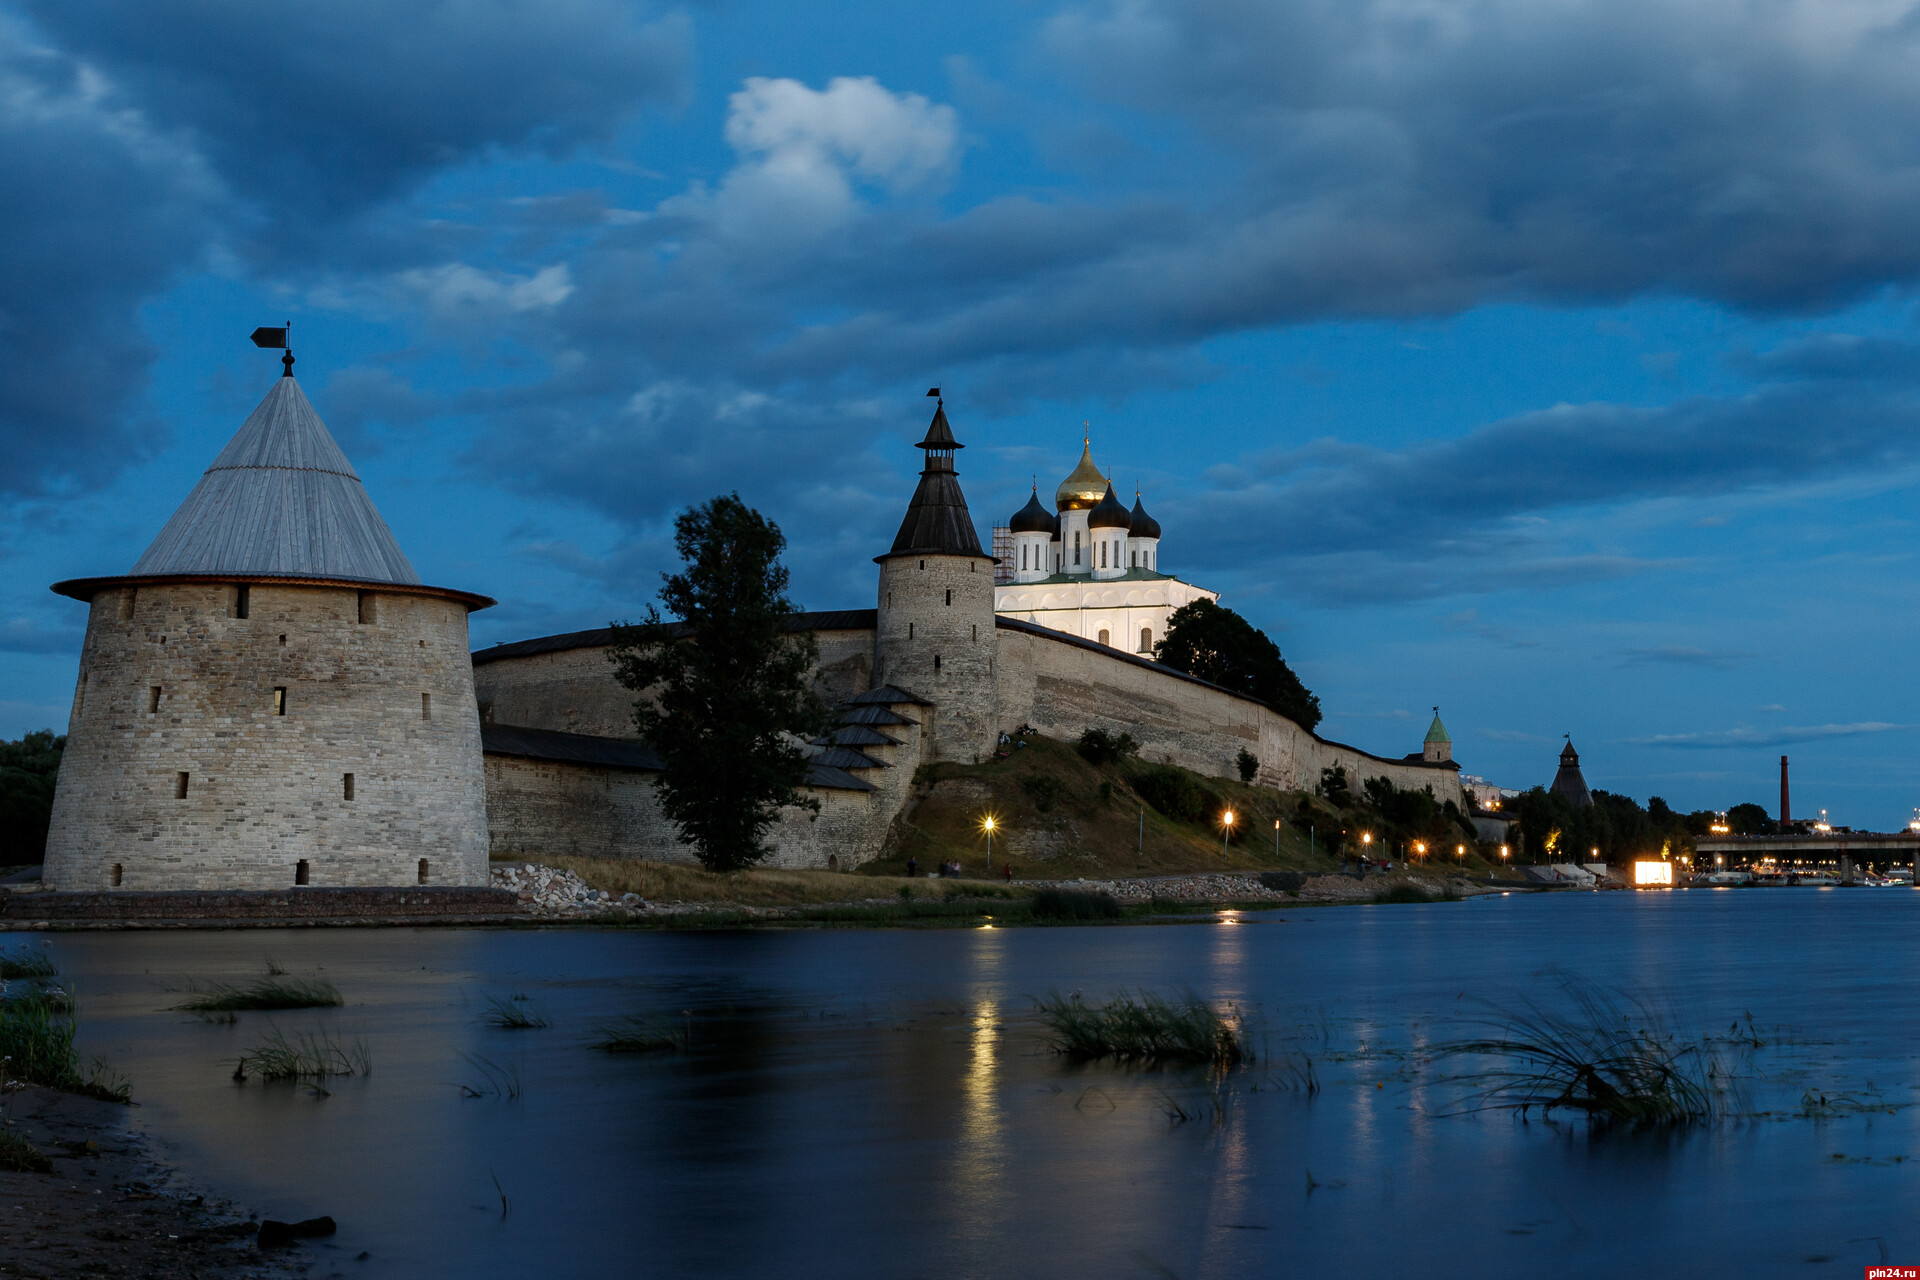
1568	782
1090	567
1485	795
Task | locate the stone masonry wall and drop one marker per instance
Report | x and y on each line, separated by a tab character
936	639
573	690
265	790
1062	690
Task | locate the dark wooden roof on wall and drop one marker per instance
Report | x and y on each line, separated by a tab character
600	637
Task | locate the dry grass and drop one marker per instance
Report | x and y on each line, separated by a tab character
1150	1030
679	882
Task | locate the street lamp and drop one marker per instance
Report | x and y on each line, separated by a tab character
987	824
1226	829
1276	837
1419	849
1503	852
1460	852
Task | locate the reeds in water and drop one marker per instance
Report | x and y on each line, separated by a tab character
1149	1029
310	1056
25	963
510	1015
635	1034
1607	1059
1074	904
264	994
36	1039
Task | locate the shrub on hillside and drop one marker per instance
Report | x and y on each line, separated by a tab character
1042	788
1100	747
1176	793
1248	764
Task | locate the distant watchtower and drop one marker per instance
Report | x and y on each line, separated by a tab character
935	635
271	697
1438	748
1569	782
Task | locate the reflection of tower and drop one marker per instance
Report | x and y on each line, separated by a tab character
1569	783
1786	810
935	636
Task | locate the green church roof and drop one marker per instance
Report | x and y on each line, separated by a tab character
1439	731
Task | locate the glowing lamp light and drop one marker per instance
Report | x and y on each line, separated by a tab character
1503	851
989	825
1653	874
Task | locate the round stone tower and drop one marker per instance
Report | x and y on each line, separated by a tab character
935	637
271	697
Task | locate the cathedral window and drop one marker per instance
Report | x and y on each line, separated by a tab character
1076	546
1106	637
1103	555
1146	639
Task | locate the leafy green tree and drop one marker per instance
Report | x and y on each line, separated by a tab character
1100	747
1248	764
1213	642
726	696
28	769
1334	787
1750	820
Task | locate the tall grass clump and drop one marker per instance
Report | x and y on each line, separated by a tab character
1608	1059
25	963
634	1034
264	994
17	1155
1150	1030
509	1016
36	1040
310	1056
1074	904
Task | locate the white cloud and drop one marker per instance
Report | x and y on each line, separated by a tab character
456	290
802	151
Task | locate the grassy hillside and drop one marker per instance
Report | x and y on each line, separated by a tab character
1059	816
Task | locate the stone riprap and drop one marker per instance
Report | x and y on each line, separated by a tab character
1228	886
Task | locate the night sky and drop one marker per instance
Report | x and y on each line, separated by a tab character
1552	362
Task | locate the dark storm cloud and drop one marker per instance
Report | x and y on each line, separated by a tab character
137	140
97	211
1475	513
322	110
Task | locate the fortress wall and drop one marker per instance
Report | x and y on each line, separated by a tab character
266	790
574	690
540	808
1063	689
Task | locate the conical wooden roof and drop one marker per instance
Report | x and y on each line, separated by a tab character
281	500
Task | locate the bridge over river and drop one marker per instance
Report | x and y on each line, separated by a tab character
1822	850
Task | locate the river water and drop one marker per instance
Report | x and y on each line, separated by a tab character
882	1103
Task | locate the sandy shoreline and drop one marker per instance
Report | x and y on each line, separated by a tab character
111	1208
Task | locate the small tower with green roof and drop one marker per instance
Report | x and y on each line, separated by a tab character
1438	748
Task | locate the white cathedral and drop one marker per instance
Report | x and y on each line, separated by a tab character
1090	567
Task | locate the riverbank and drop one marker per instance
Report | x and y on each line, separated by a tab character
108	1207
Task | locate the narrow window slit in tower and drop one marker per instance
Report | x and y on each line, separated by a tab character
127	598
280	700
976	631
909	631
283	639
80	697
423	871
426	706
241	601
346	786
936	662
153	700
949	597
118	872
923	566
179	786
300	872
366	608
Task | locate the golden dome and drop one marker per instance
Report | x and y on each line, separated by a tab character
1084	488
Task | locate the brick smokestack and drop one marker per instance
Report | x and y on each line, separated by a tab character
1786	811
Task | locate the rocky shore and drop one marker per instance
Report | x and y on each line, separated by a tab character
108	1208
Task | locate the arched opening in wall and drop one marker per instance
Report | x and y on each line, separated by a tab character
1146	639
833	862
118	872
300	872
423	871
1106	637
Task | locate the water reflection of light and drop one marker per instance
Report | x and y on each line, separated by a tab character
978	1169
